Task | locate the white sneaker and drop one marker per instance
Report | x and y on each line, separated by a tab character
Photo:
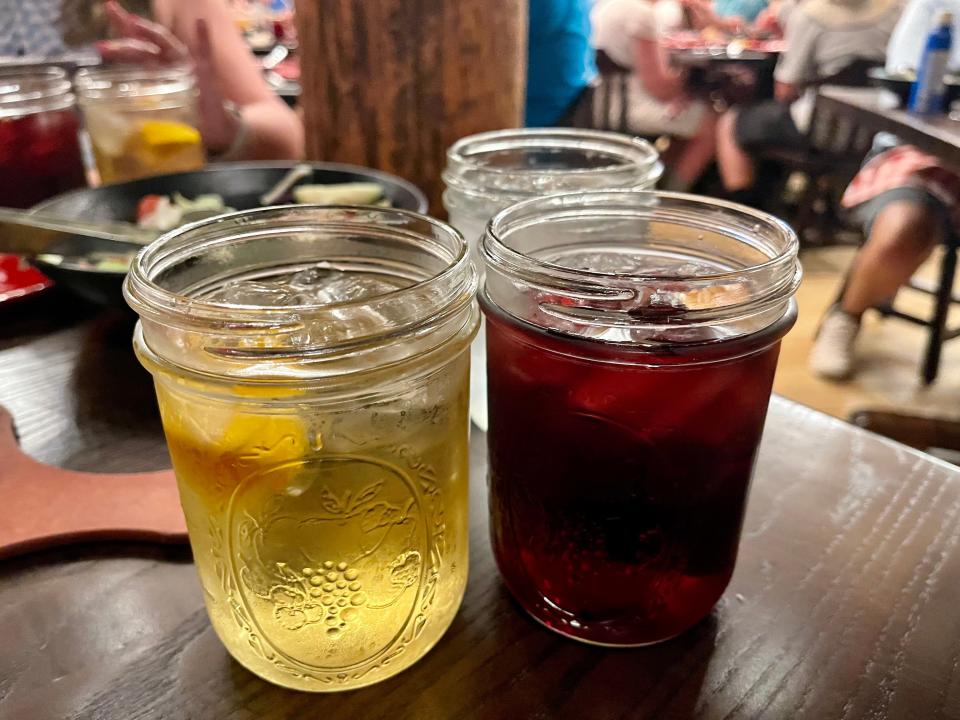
832	353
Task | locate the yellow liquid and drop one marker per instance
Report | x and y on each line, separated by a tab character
332	548
155	147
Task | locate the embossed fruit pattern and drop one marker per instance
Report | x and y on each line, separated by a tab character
327	562
330	570
329	592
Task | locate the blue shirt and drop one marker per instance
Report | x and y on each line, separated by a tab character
560	62
747	9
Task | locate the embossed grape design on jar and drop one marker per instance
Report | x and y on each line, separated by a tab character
312	370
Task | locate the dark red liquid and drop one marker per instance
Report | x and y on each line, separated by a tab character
617	491
39	157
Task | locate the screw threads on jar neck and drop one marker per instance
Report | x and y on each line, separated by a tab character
28	91
640	268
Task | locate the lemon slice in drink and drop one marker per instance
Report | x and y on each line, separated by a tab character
161	135
215	447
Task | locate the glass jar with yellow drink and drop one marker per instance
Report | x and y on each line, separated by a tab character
141	121
312	370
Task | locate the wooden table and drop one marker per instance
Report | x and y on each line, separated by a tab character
873	109
703	57
844	603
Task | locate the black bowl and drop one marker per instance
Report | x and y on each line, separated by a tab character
240	185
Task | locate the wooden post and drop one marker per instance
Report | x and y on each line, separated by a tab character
392	83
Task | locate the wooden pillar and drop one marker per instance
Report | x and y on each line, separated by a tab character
392	83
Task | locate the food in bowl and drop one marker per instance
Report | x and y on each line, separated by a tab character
160	212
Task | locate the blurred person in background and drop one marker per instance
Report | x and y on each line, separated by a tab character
560	61
729	16
628	32
746	10
241	118
822	37
908	202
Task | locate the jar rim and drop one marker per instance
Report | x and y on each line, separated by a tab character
33	90
635	162
445	289
123	82
605	293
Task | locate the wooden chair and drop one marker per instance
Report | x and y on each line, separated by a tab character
611	91
936	324
833	153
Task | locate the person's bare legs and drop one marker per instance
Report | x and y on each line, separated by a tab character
736	167
696	153
901	238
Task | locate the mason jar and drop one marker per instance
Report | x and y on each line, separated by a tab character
632	341
311	366
141	121
490	171
39	136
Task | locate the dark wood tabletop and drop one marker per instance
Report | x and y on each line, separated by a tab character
872	108
844	603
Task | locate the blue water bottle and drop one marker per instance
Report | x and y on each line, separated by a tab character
928	94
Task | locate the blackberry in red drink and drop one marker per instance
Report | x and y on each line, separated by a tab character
632	341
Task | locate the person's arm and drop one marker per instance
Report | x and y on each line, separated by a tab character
785	92
767	22
797	65
272	130
652	67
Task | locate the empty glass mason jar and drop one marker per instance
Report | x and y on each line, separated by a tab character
632	342
311	368
490	171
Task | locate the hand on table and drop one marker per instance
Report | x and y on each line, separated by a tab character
142	42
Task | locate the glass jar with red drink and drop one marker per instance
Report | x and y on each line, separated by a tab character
39	136
632	341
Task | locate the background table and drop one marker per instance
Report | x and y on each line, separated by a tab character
870	108
844	603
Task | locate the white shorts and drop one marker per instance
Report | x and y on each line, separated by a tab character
645	114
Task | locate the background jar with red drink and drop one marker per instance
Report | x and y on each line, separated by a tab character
632	341
39	136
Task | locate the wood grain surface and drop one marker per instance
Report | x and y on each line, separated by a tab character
845	603
391	84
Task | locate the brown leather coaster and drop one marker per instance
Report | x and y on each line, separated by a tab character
43	506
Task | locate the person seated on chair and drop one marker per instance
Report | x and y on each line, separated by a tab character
560	61
823	37
241	118
628	31
908	201
731	16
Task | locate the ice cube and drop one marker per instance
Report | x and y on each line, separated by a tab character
108	130
253	292
320	285
325	286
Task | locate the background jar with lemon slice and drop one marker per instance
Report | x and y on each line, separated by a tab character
141	121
